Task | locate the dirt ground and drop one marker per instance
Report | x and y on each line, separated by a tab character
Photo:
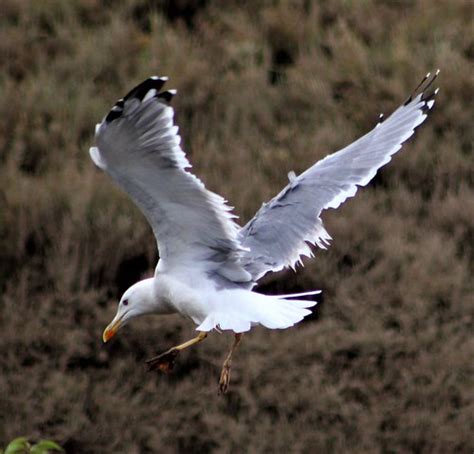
385	363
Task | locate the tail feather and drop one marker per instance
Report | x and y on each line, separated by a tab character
239	310
297	295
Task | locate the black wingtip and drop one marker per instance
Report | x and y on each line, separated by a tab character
141	90
166	95
422	89
116	111
429	100
153	84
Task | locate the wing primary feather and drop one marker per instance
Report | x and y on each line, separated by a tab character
424	89
115	112
141	90
166	95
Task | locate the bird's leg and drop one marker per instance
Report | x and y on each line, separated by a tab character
225	373
165	361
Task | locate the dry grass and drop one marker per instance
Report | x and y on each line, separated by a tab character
385	365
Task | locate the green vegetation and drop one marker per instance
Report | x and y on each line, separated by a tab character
384	365
21	445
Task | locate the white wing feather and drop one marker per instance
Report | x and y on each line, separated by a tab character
279	233
138	146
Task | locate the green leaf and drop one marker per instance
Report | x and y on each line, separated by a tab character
19	445
44	446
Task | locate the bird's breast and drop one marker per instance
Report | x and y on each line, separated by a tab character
186	297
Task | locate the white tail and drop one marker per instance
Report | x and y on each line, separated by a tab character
239	310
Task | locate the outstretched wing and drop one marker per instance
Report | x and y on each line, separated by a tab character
279	233
138	146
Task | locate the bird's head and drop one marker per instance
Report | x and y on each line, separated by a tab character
137	300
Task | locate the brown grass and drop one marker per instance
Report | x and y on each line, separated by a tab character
384	365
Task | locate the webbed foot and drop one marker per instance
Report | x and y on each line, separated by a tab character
225	379
164	362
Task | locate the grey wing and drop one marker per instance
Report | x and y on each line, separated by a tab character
279	233
138	146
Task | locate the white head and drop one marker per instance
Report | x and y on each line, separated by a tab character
137	300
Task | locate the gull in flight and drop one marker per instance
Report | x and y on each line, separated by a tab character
208	264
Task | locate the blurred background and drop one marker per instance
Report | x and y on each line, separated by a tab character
385	364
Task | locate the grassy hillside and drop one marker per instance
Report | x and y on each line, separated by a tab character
385	363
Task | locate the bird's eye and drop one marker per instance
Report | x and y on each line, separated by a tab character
125	302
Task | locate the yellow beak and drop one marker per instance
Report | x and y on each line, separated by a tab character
111	329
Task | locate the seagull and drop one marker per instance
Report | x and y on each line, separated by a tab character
209	265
